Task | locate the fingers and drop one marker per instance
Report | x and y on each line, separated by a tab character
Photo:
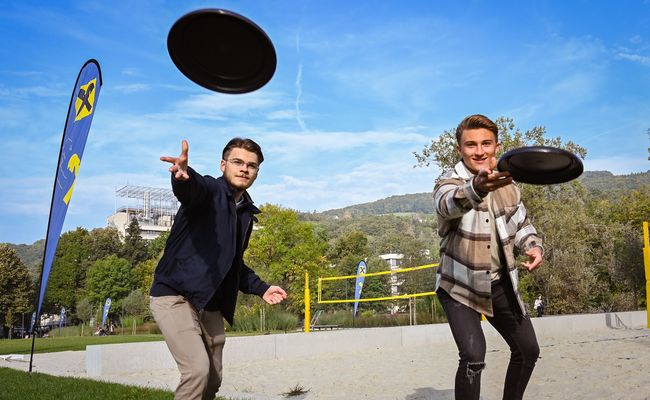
493	163
273	298
495	181
181	175
168	159
185	147
535	257
280	291
501	182
274	295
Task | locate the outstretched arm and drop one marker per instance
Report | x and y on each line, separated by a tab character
179	164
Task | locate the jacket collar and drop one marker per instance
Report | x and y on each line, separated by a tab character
248	201
461	170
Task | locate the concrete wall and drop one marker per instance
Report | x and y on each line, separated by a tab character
134	357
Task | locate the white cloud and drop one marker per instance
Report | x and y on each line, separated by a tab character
643	60
314	142
219	106
364	183
132	88
131	71
33	91
281	115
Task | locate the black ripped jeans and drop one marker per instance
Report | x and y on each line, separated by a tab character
518	332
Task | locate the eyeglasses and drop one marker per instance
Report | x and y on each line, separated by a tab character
240	163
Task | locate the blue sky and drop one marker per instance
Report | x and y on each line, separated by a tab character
359	86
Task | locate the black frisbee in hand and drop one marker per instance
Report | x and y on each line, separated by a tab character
541	165
222	51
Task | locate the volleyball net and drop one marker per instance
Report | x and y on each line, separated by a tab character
402	283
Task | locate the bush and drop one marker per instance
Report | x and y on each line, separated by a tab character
251	318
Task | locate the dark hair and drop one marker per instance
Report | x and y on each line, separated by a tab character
241	143
477	121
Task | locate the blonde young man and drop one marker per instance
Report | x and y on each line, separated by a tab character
482	222
197	280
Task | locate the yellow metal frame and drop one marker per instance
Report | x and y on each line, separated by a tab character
646	262
402	296
307	326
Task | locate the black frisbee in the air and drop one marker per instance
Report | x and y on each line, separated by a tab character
541	165
222	51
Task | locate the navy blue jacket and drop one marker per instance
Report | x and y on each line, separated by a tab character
201	254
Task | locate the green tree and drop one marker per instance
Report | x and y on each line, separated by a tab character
135	247
347	250
84	312
633	207
136	304
143	273
15	286
102	242
76	252
156	246
110	277
68	272
283	248
628	265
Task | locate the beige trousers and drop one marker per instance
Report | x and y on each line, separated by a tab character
196	341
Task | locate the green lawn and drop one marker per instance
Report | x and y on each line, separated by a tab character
22	385
65	343
54	344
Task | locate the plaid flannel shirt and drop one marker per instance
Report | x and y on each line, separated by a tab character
464	226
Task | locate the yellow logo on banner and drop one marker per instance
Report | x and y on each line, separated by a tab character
73	166
85	102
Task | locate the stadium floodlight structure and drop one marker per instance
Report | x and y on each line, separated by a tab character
154	208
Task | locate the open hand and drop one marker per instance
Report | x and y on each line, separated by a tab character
179	169
487	181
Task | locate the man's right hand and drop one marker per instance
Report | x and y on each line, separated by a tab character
179	169
486	180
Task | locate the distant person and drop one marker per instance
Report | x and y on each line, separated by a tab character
202	269
539	306
482	222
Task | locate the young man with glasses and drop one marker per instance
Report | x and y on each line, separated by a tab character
202	269
482	223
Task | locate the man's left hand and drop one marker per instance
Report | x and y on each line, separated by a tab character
274	295
534	258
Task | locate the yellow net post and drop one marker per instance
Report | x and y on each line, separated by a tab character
646	262
307	304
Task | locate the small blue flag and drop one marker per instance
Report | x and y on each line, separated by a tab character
361	269
107	307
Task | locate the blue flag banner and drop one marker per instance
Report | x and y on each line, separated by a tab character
107	307
361	269
62	318
33	322
80	115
